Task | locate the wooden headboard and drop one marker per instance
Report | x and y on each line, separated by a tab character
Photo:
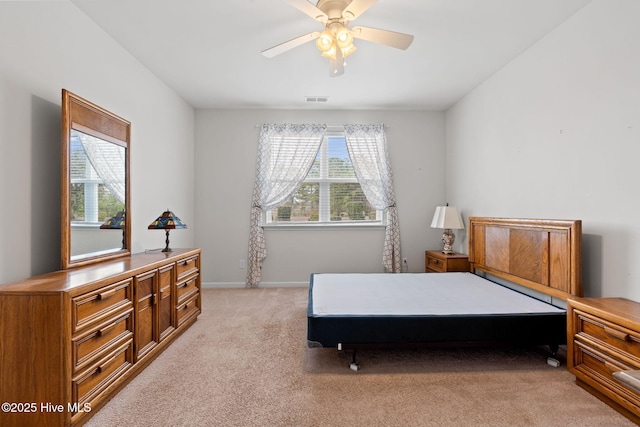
544	255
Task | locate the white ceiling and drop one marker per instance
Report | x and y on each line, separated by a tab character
208	51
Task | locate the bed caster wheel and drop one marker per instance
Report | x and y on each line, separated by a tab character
553	362
354	367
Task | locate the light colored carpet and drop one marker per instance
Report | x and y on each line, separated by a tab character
246	363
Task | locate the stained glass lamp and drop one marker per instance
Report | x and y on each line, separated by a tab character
167	221
115	222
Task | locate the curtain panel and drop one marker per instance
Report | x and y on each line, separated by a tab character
285	155
108	160
367	145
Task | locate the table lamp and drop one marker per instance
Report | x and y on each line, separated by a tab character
449	218
167	221
115	222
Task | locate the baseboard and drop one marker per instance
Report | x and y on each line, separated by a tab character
261	285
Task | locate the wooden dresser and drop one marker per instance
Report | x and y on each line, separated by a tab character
603	336
71	339
438	262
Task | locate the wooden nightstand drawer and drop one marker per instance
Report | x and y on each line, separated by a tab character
435	264
608	334
603	336
438	262
600	367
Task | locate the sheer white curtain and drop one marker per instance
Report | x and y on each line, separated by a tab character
285	155
367	145
108	160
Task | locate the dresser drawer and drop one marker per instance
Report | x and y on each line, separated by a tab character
92	344
599	368
611	335
435	264
92	382
187	266
187	309
96	305
187	287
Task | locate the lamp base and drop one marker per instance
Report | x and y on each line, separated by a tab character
448	237
167	248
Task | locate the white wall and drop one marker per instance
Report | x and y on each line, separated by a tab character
556	134
553	134
226	150
50	45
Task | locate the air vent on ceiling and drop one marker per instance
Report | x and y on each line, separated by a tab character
316	98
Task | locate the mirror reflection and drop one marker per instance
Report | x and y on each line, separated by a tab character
97	195
95	208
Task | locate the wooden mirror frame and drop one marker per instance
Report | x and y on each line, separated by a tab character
86	117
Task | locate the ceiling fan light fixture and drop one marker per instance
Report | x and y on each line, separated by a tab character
348	50
344	38
335	42
331	53
325	41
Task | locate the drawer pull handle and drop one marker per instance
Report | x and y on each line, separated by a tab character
102	368
617	334
107	294
186	306
104	331
185	284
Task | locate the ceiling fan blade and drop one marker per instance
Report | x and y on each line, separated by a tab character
356	8
309	9
385	37
336	65
288	45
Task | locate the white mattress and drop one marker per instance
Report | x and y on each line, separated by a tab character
417	294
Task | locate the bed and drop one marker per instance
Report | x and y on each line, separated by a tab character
521	273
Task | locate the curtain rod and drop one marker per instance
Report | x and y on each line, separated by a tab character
328	126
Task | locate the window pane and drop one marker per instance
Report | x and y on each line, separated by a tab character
302	207
314	172
339	161
348	203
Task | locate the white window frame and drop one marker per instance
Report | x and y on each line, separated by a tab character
90	182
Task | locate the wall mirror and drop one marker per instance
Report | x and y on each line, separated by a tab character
95	206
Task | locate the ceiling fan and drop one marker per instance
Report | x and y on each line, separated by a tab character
336	40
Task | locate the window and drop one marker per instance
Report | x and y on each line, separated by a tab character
91	200
330	193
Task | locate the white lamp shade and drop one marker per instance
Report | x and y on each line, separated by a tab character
447	217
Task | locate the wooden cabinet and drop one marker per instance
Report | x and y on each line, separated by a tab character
146	309
166	317
603	336
70	340
438	262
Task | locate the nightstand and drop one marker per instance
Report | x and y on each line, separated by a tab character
437	262
603	350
